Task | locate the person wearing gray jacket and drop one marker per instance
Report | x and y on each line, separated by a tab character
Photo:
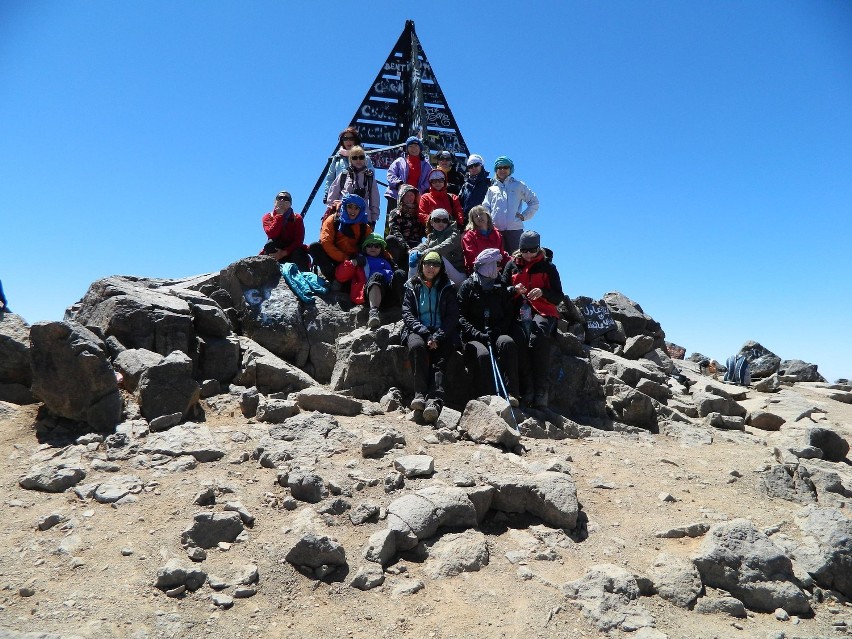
505	201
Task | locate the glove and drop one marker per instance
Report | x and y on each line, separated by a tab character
360	260
485	335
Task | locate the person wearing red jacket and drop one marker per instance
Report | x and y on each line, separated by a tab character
286	232
439	198
537	289
480	235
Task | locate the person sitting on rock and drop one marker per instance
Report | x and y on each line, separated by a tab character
357	178
348	138
479	235
430	315
443	237
475	185
504	200
447	163
486	317
374	277
340	236
412	168
286	232
405	231
537	289
439	198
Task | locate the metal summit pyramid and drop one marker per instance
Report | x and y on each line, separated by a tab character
405	99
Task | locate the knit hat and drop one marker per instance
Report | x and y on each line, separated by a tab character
504	161
414	140
374	238
437	174
530	239
488	256
444	155
475	159
432	256
439	213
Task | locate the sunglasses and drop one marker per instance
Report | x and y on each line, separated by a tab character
445	159
432	264
359	157
282	198
534	249
504	168
437	180
472	166
441	220
348	138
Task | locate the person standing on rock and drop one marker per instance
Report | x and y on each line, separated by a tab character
537	289
475	185
359	179
348	138
504	200
447	163
286	232
486	316
412	168
430	316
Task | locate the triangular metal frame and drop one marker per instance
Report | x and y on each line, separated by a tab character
404	100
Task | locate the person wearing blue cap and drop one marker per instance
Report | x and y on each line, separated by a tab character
412	168
510	202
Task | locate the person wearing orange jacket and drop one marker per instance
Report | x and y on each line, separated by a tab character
536	289
439	198
341	236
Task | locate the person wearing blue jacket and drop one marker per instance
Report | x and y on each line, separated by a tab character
412	168
510	202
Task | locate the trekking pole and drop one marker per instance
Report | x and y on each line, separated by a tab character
513	427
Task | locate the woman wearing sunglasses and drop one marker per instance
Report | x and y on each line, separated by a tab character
444	237
537	289
357	178
285	230
348	138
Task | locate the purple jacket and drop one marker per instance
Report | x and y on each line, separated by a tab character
398	173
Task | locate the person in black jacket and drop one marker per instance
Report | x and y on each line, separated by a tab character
447	163
475	186
430	316
486	316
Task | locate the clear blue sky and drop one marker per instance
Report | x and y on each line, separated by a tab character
695	156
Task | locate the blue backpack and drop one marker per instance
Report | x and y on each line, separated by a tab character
304	285
738	372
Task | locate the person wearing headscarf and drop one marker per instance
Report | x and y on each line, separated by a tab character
510	202
359	179
430	316
479	235
447	163
405	230
537	289
341	235
374	278
348	138
476	184
486	317
412	168
443	237
439	198
285	230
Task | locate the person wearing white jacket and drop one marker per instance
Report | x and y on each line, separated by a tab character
504	200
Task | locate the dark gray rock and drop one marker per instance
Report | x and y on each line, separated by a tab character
363	513
769	384
628	312
164	422
454	553
608	596
175	574
246	517
317	398
367	364
208	529
305	486
660	392
249	401
219	358
637	346
486	423
210	320
737	557
132	362
415	465
827	552
721	605
72	374
802	371
377	445
16	394
765	420
574	388
761	361
833	446
676	580
629	406
275	411
709	403
725	422
185	439
381	547
314	551
790	483
168	387
52	478
419	515
368	577
268	372
550	496
14	350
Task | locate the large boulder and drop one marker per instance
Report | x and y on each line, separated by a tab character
737	557
168	387
574	388
802	371
488	423
268	372
14	350
72	374
628	312
827	551
608	596
367	364
132	362
551	496
219	358
419	515
761	361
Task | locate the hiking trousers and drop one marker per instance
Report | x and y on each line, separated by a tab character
534	354
478	363
428	367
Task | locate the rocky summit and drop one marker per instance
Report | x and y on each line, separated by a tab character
211	456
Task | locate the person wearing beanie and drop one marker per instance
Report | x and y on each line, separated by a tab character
446	161
285	230
357	178
486	317
510	202
430	316
475	185
412	168
479	235
405	230
374	278
536	288
443	237
341	236
347	138
439	198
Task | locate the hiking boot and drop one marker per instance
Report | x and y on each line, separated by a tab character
335	287
418	403
527	400
432	411
540	400
374	321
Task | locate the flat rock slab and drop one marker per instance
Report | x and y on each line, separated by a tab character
326	401
115	488
187	439
550	496
415	465
52	479
455	553
314	551
209	529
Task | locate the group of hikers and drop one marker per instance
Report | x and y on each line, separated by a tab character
454	254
